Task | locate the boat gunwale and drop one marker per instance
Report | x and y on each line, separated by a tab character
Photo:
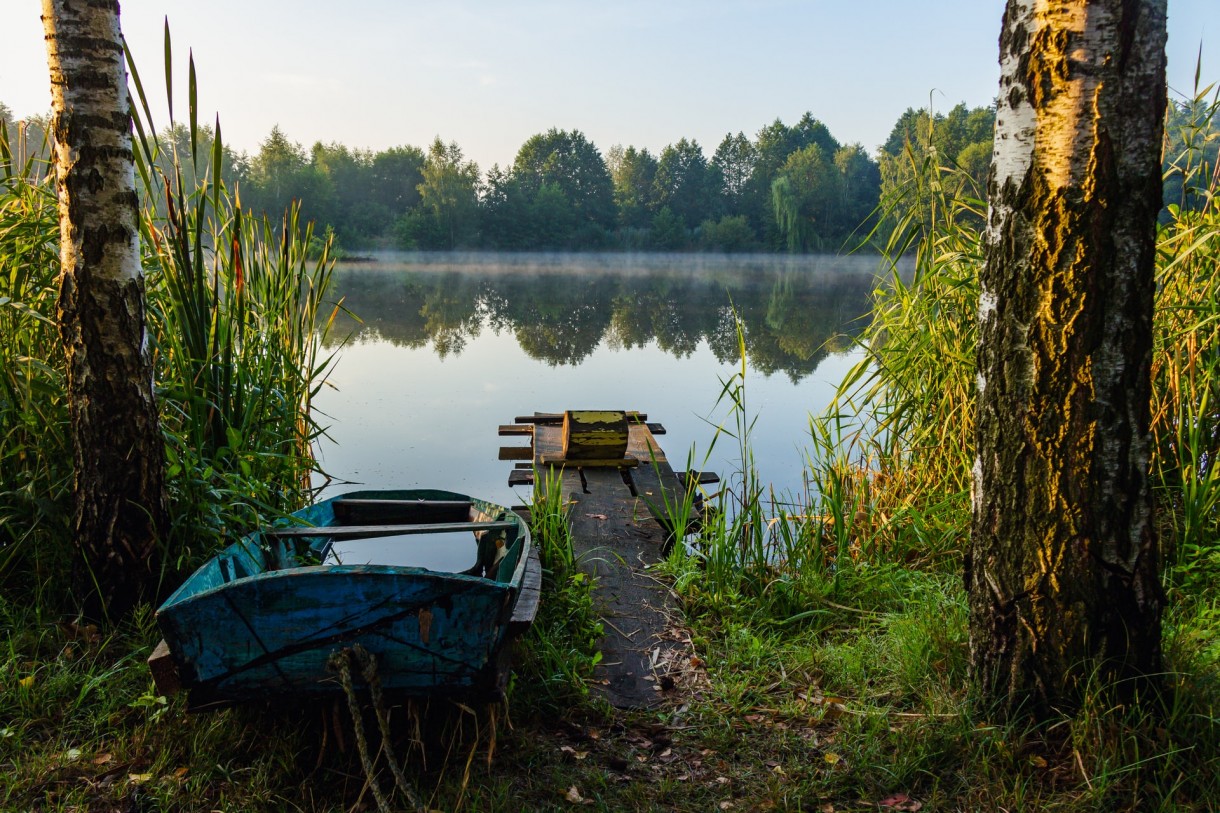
253	541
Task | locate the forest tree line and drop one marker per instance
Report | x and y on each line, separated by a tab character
789	188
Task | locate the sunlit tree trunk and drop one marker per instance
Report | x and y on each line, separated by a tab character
119	452
1062	572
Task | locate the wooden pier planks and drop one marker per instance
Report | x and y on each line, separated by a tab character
617	539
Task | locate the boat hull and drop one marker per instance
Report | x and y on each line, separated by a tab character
260	620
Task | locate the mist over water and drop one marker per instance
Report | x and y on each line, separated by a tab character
450	346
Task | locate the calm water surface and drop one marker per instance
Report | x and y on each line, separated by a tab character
451	346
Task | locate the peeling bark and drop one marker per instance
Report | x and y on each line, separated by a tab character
118	449
1063	571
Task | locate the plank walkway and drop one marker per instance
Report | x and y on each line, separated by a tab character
618	538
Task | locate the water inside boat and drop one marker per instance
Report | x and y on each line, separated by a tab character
451	552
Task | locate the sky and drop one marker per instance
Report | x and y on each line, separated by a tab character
488	74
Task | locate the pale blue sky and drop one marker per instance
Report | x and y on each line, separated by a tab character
489	73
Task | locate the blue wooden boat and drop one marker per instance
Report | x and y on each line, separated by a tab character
431	583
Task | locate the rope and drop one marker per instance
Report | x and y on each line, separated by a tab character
342	662
369	670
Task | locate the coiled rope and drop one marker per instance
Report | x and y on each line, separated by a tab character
343	662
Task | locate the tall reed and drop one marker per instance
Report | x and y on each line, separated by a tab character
237	314
1186	361
35	455
238	310
891	455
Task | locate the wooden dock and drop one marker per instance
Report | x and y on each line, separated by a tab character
620	530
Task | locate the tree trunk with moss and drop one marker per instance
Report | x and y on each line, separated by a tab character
1063	570
119	452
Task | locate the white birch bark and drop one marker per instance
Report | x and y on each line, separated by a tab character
1062	570
118	454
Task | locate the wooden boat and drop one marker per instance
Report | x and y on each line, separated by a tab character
375	568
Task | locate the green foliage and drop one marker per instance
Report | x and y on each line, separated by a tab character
805	196
957	145
561	648
732	233
237	313
1186	360
634	174
668	232
448	195
686	184
568	164
35	448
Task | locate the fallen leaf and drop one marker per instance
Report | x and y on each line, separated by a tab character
1037	761
597	516
573	796
26	682
832	758
102	759
138	778
900	801
179	772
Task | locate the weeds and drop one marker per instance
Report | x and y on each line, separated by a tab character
560	650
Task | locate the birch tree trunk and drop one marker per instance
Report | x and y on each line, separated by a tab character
1063	570
119	452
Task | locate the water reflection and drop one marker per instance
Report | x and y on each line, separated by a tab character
561	308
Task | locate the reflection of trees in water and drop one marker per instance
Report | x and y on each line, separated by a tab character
557	318
793	318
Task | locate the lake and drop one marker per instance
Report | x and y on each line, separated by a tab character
448	347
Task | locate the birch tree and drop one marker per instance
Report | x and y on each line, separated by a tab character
118	449
1062	572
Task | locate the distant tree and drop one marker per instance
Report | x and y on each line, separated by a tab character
281	173
913	127
686	184
354	214
553	218
568	163
734	161
504	215
634	174
449	194
773	144
668	231
807	195
395	179
27	138
729	234
118	450
860	186
176	140
1062	571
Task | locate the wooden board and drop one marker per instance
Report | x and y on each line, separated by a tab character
528	599
164	670
369	531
